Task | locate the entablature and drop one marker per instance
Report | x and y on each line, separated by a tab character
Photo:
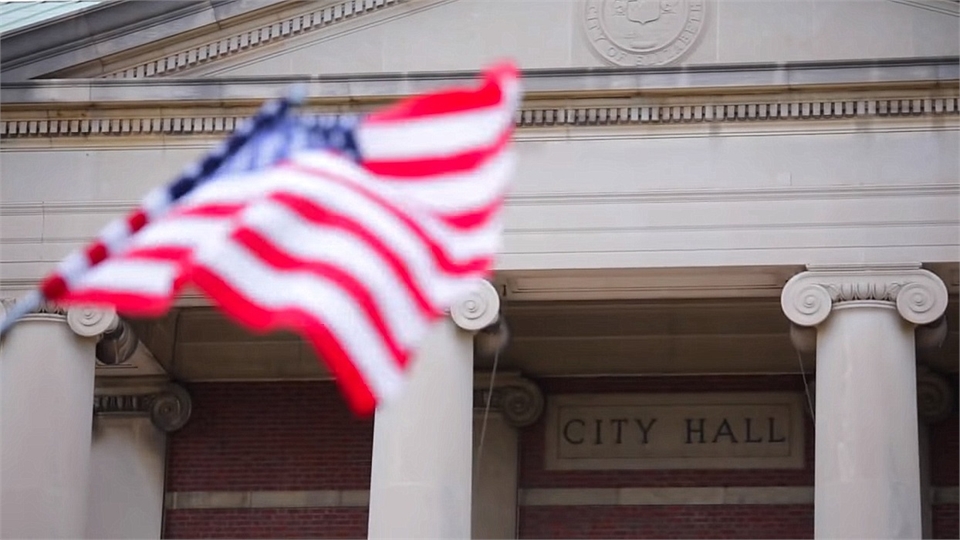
554	98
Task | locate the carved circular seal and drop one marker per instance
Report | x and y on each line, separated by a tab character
643	32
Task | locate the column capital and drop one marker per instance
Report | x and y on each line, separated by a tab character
518	399
85	321
479	309
919	295
169	408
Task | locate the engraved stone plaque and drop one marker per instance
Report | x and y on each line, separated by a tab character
675	431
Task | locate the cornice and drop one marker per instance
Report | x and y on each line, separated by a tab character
85	38
318	16
53	123
925	73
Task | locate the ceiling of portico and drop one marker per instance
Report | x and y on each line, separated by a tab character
324	37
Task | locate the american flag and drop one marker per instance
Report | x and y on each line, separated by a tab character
358	233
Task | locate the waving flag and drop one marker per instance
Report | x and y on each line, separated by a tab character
356	233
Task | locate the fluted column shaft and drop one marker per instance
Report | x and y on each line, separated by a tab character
867	479
420	480
47	364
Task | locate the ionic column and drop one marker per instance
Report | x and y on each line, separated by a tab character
47	366
420	480
515	402
128	456
867	478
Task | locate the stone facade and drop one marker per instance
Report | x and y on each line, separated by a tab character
737	201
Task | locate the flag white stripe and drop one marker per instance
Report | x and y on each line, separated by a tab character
448	194
275	290
73	267
433	136
295	238
333	195
182	232
115	234
133	276
287	232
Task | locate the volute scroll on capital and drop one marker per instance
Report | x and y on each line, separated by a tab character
169	408
519	400
919	295
479	309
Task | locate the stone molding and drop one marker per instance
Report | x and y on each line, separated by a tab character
517	398
169	408
642	496
58	124
920	296
321	16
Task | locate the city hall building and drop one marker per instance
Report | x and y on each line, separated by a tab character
726	304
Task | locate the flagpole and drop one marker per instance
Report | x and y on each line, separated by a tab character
194	176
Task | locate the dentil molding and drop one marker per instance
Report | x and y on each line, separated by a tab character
706	110
920	296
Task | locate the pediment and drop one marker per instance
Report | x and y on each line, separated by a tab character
344	37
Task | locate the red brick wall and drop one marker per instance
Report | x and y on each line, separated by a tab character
944	472
269	437
945	452
723	521
268	523
727	521
946	521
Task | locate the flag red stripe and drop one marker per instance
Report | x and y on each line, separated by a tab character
211	210
327	218
139	305
96	253
137	220
254	316
54	287
441	256
490	94
268	253
316	213
424	169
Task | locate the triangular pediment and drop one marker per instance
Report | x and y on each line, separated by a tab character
243	38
